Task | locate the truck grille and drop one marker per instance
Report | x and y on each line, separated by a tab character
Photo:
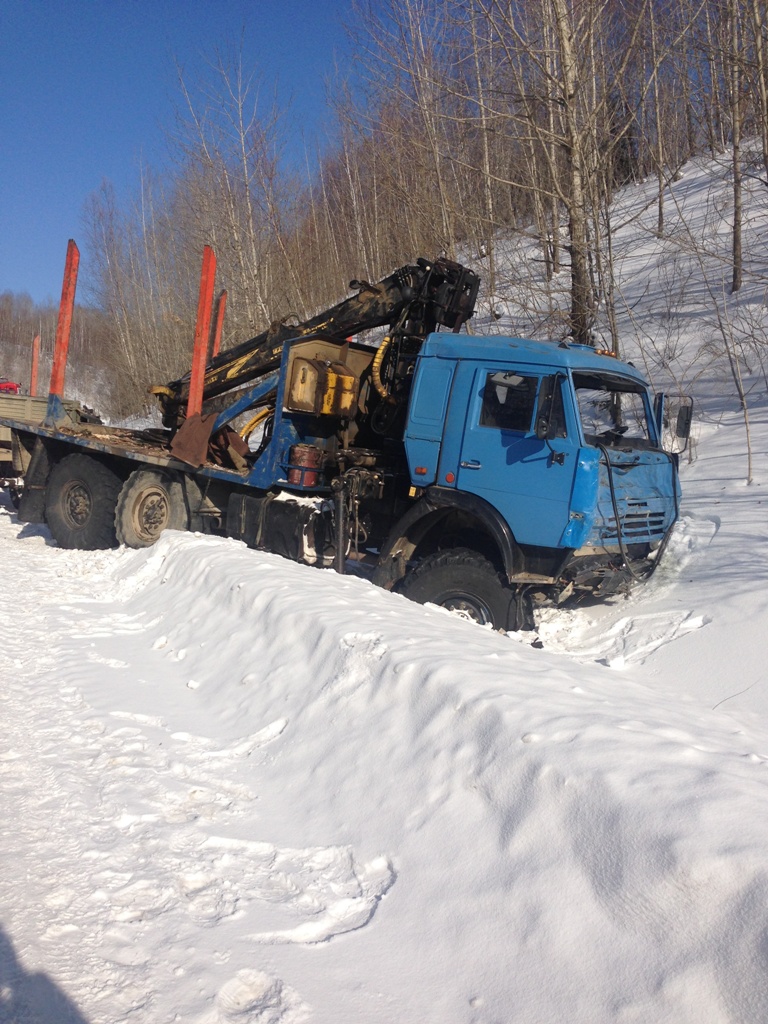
638	523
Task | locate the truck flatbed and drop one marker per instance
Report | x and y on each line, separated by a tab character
147	446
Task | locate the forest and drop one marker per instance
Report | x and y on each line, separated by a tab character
461	128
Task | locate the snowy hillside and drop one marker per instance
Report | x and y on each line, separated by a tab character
240	790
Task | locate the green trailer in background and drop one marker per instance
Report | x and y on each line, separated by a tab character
30	410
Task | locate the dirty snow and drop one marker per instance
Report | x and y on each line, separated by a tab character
235	789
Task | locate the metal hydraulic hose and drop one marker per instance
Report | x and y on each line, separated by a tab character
639	577
377	364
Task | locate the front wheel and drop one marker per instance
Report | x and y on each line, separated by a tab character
80	502
463	582
150	501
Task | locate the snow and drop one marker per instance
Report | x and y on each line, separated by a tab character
236	789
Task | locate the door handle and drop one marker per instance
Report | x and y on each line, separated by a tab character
474	464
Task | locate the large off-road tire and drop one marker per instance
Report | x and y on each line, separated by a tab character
150	501
463	582
80	502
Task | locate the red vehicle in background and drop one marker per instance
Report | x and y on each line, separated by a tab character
7	387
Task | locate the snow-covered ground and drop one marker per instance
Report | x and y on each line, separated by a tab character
235	789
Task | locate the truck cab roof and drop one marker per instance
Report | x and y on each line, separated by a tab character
546	354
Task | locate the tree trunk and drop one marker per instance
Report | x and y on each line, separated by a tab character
736	140
581	291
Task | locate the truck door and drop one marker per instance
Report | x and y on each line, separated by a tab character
529	481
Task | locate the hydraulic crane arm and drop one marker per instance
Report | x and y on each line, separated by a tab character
413	300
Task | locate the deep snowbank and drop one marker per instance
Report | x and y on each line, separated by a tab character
517	833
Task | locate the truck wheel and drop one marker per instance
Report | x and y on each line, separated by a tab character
150	501
463	582
80	502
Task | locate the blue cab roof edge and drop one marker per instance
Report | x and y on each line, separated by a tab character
562	355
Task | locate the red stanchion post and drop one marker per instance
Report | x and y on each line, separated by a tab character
64	323
221	307
35	366
202	333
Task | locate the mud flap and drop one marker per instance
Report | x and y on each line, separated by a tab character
521	611
32	504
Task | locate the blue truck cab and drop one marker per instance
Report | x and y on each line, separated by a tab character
553	453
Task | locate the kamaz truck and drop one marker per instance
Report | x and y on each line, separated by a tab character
482	474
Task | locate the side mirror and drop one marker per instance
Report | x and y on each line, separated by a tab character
675	417
684	419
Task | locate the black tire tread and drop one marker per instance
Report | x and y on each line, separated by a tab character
466	567
178	520
104	485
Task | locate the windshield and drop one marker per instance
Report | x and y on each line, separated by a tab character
613	410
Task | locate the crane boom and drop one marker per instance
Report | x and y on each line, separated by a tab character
413	300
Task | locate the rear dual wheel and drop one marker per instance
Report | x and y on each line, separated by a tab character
88	506
149	502
80	502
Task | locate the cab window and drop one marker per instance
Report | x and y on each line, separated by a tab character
509	400
612	410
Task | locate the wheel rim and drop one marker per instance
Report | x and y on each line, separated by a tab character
151	513
77	505
467	606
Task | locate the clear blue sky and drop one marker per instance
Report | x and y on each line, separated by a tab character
87	88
